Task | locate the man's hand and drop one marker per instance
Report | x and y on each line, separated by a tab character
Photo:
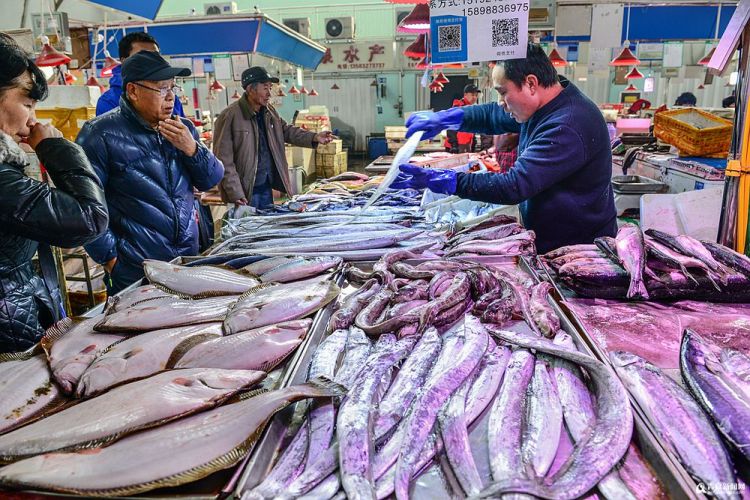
108	266
41	131
240	203
324	137
179	135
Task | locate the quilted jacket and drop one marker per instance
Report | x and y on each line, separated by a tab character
31	212
149	189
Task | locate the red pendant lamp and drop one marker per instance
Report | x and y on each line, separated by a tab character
303	90
436	87
281	92
631	88
312	93
49	56
236	94
216	86
294	90
417	49
556	59
418	20
70	78
335	86
707	58
441	78
701	87
634	73
625	58
93	82
422	64
110	63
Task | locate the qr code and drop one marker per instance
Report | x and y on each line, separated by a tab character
449	38
504	32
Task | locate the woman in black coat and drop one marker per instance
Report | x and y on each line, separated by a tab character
32	214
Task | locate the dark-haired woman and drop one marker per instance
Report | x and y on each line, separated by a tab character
31	212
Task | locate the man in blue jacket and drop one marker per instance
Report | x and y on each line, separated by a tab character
148	161
561	178
132	43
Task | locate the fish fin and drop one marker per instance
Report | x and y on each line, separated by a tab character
183	347
110	304
255	290
250	394
57	331
712	279
22	355
637	289
688	275
177	294
149	299
323	386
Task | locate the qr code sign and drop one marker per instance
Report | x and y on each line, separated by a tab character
504	32
449	38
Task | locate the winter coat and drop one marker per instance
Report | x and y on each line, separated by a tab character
149	188
561	179
69	215
236	145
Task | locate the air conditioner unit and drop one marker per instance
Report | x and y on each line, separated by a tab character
339	28
219	8
542	14
299	24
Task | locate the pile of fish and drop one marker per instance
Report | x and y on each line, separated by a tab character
653	266
509	409
106	407
691	423
503	235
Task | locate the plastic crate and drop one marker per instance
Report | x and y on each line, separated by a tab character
694	132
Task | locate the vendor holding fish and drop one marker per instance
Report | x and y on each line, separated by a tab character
561	178
249	139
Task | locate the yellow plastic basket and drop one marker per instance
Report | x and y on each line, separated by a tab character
694	132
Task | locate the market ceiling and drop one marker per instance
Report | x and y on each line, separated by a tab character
211	35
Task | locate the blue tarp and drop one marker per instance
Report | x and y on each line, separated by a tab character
237	35
142	8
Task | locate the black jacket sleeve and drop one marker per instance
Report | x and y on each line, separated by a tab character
69	215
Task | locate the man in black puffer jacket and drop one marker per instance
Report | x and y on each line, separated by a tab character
148	162
31	212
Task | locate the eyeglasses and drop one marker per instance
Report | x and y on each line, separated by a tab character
163	91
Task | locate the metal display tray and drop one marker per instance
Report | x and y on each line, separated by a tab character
221	484
678	481
636	184
672	478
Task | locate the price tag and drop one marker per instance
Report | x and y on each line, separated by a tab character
478	30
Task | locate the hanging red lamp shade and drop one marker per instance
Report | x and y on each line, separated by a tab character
49	56
70	78
436	87
418	20
625	58
634	73
281	92
631	88
335	87
294	90
312	92
110	63
422	64
441	78
707	58
216	86
701	87
92	82
236	94
417	49
303	90
556	59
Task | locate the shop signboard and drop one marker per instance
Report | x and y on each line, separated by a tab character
377	55
478	30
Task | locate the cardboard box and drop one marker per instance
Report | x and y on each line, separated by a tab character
330	165
67	121
305	158
333	147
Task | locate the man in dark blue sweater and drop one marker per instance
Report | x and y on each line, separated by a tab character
561	178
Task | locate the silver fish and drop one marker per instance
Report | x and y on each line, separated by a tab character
265	265
260	349
300	268
158	314
604	445
453	430
196	282
179	452
354	421
26	388
126	409
279	303
631	251
678	419
71	346
140	356
543	421
380	239
135	296
420	420
690	247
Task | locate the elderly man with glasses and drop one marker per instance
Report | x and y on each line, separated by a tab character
148	161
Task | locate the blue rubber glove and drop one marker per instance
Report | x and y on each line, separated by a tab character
435	179
434	123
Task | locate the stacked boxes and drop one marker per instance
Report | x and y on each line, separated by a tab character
330	159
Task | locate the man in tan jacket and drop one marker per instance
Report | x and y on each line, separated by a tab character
249	139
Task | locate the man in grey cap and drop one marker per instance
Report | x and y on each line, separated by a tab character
148	161
249	139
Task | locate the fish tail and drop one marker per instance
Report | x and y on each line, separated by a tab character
712	278
323	387
637	289
688	275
